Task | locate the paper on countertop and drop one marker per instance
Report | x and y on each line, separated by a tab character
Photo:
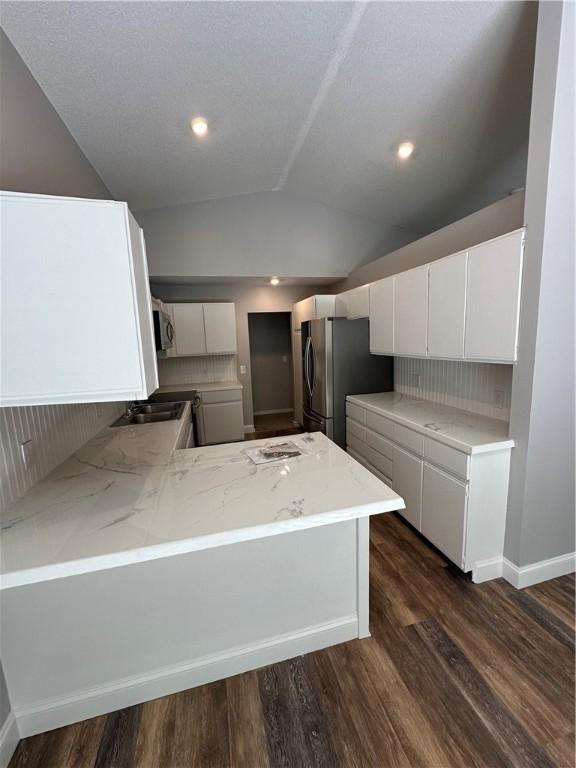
273	452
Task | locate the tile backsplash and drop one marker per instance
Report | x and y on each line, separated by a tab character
483	388
56	431
201	370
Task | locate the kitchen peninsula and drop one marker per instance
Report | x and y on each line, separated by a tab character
135	569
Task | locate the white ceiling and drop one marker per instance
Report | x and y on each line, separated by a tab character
309	97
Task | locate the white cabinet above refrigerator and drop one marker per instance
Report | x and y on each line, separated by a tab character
76	316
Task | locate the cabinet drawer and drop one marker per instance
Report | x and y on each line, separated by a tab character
221	396
361	460
379	444
449	458
380	424
356	412
355	429
407	438
444	504
380	462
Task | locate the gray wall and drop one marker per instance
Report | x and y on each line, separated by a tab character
248	298
496	219
540	522
271	361
263	234
38	154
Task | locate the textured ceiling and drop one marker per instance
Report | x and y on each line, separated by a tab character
307	97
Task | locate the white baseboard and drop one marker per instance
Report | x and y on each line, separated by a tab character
80	705
9	738
487	570
527	575
271	413
248	428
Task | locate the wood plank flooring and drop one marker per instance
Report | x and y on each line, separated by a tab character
455	675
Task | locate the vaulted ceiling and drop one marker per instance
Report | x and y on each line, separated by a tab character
308	97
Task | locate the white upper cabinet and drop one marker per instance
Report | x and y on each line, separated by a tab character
313	308
189	334
353	304
76	314
204	329
463	307
220	327
447	306
382	316
493	298
411	312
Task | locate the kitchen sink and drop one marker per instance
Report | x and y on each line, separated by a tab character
151	413
157	407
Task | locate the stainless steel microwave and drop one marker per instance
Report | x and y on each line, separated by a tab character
163	331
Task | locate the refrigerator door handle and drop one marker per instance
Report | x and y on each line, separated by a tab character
311	366
307	365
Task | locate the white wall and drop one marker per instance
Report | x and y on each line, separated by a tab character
248	298
541	509
263	234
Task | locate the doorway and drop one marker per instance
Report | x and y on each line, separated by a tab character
270	339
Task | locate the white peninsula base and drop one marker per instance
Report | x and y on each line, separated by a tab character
78	647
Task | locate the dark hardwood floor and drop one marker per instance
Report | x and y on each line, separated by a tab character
455	674
273	425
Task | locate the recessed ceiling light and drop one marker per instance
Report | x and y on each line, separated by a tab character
405	150
274	281
199	126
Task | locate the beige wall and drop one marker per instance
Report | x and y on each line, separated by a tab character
248	298
496	219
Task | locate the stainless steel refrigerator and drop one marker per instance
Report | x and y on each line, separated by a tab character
336	362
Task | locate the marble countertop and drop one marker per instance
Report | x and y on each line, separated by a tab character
128	496
200	387
465	431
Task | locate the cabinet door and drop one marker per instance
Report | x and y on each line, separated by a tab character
189	329
444	503
382	316
407	471
143	305
447	306
493	299
302	311
221	423
411	312
353	304
220	328
73	294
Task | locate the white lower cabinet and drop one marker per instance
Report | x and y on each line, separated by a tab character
444	506
220	417
407	481
456	499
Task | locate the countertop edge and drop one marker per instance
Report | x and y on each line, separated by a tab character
491	447
42	574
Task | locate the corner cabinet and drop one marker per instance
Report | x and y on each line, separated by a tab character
203	329
353	304
76	311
